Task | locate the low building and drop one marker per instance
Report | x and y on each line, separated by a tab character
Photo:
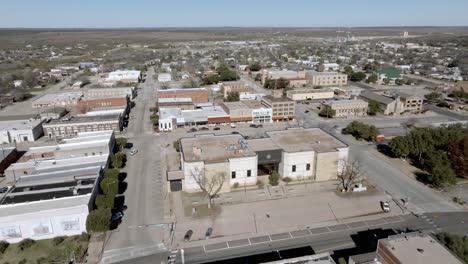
7	157
94	103
110	92
198	95
238	111
205	115
414	248
260	113
234	87
411	103
127	76
61	99
282	107
315	78
170	118
71	126
388	105
53	113
54	188
295	78
310	94
298	154
389	73
164	77
20	130
348	108
181	103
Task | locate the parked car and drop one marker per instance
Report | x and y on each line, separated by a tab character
216	128
233	125
234	132
253	125
204	129
188	235
385	206
117	216
133	151
208	233
259	126
192	130
306	111
3	189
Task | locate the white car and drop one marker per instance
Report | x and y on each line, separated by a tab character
385	206
233	125
133	152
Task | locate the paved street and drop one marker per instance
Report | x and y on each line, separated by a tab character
142	229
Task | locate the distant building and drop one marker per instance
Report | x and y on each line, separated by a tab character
53	113
315	78
182	103
310	94
389	73
60	99
348	108
164	77
411	103
71	126
20	130
87	104
283	108
198	95
388	105
234	86
109	92
124	76
295	78
248	111
414	248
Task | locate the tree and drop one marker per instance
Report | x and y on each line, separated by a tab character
386	81
109	186
211	79
26	243
121	142
373	78
105	201
118	160
399	82
3	246
87	72
349	174
176	145
233	97
443	104
458	153
357	76
209	184
361	131
457	244
111	174
274	178
438	165
327	112
400	146
255	66
280	83
433	97
348	70
98	220
374	107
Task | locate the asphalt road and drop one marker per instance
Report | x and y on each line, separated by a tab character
142	229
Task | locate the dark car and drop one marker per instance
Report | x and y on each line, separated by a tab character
253	125
192	130
216	128
306	111
204	129
234	132
188	235
208	233
3	189
259	126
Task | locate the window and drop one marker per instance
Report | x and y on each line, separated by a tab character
293	168
249	173
233	174
308	167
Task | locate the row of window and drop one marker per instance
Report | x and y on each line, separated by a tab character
233	174
294	167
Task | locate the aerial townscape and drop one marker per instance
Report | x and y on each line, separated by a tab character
228	142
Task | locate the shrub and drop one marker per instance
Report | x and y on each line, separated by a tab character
3	246
111	173
23	261
176	145
274	178
26	243
105	201
118	160
58	240
98	220
41	260
360	131
109	186
236	185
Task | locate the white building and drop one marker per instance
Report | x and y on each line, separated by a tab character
109	92
164	77
20	130
170	118
124	76
60	99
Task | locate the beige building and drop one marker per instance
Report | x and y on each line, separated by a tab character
411	103
238	111
295	78
388	105
310	94
283	107
234	86
346	108
326	78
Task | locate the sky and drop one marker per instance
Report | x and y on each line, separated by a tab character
222	13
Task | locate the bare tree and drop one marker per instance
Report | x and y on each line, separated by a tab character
350	174
210	185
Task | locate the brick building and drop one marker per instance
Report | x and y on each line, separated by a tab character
198	95
102	103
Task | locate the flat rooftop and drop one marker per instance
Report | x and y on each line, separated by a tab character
83	119
176	90
19	124
309	90
252	104
346	102
211	149
277	99
323	73
301	139
419	248
48	98
235	105
175	100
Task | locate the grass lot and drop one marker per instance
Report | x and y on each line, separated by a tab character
53	250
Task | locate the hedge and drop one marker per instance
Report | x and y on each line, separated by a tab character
99	220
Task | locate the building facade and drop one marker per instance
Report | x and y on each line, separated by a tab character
20	130
326	78
348	108
310	94
283	108
198	95
69	127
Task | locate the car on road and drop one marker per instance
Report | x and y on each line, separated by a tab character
385	206
133	151
192	130
208	233
259	126
216	128
204	129
234	132
3	189
116	217
306	111
233	125
188	235
253	125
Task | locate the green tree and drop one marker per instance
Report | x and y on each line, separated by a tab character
348	70
374	107
98	220
233	97
458	153
280	83
26	243
87	72
327	112
433	97
255	66
438	165
457	244
274	178
358	76
111	174
176	145
105	201
399	82
121	142
3	246
400	146
118	160
211	79
373	78
360	131
109	186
